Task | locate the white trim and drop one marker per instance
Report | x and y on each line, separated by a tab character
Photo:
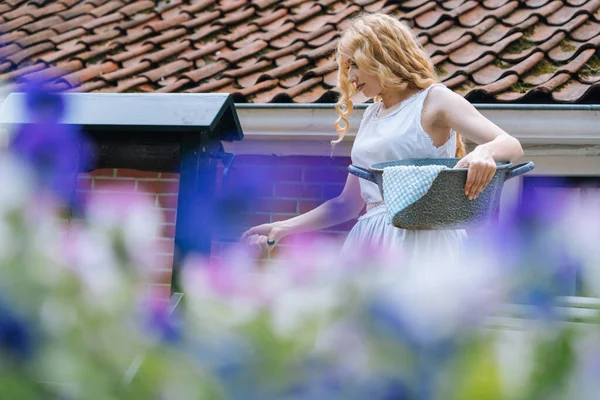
308	130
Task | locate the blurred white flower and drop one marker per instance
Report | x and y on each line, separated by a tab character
437	299
585	384
130	216
17	184
293	308
579	229
91	258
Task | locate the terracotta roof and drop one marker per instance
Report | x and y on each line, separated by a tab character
531	51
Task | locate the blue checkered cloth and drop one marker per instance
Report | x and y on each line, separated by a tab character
405	184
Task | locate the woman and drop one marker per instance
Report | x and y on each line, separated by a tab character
413	116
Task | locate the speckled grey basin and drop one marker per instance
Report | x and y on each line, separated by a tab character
445	205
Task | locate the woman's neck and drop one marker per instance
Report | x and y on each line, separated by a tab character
393	98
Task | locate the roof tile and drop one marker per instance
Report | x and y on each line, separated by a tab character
136	7
198	5
100	37
125	72
206	71
106	8
22	55
105	20
168	5
76	11
17	74
62	54
163	25
247	51
266	50
567	13
12	37
97	52
134	52
83	75
234	38
6	51
259	87
16	23
586	31
167	52
137	20
205	50
270	17
321	51
230	5
212	85
167	70
202	19
521	15
52	72
42	24
72	23
19	12
308	14
35	38
236	18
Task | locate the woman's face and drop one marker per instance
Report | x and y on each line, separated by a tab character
366	83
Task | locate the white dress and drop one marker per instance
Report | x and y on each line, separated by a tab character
397	136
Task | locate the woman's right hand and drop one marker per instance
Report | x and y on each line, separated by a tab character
264	236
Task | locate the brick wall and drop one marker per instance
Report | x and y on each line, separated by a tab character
284	187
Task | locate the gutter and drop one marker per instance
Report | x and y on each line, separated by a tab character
307	129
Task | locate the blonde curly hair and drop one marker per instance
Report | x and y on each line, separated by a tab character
384	46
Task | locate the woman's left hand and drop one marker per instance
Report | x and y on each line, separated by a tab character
482	168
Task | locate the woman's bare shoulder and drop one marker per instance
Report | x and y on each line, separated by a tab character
441	100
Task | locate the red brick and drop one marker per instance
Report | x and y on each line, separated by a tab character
275	174
287	174
165	246
162	276
169	175
325	175
134	173
163	261
331	191
276	206
168	230
319	162
256	160
297	191
167	200
114	185
282	217
160	291
261	190
169	216
254	219
307	205
157	186
84	182
308	161
103	172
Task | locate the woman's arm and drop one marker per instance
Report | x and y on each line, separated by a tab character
340	209
449	110
455	112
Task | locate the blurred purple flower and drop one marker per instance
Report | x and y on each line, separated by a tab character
163	322
532	250
55	151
